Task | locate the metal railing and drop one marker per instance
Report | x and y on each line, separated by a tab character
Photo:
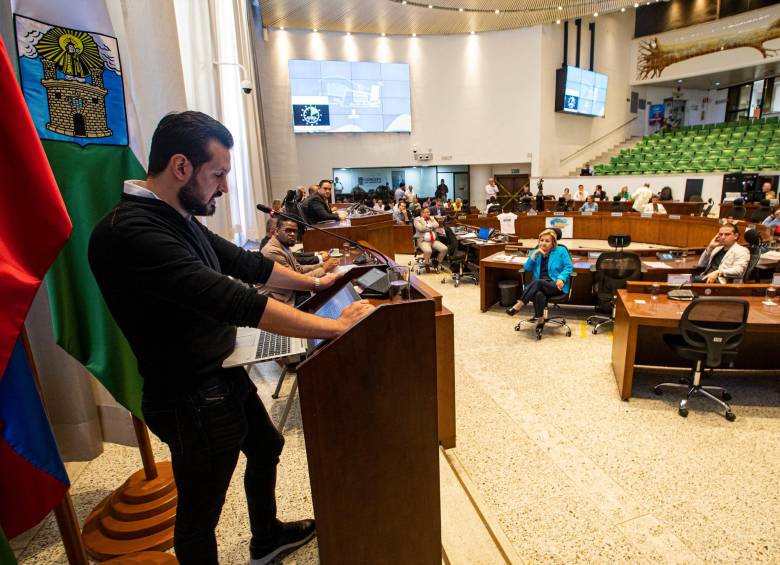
610	132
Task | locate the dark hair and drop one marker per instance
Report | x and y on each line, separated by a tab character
280	220
616	198
187	133
734	227
323	181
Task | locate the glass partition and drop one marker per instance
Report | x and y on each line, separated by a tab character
424	180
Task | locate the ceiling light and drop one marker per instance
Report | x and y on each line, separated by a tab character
315	30
498	11
636	5
560	7
460	9
281	28
349	33
595	14
623	9
414	35
679	80
557	21
430	5
473	32
717	84
403	2
384	34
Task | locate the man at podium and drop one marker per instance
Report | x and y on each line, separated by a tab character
178	291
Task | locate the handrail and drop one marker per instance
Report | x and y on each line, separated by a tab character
584	147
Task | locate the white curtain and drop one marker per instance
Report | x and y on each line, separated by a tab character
218	31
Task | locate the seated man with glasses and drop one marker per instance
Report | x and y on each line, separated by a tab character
724	257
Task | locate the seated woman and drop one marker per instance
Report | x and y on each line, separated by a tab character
654	206
457	206
551	268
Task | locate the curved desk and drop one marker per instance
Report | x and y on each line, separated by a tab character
677	231
376	229
671	206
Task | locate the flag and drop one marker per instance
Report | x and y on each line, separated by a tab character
7	556
34	479
72	79
33	228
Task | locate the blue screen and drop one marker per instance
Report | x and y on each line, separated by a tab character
344	96
585	92
335	305
484	233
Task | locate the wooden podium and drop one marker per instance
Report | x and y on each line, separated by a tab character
369	409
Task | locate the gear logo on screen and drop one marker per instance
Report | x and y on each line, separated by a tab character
311	115
571	102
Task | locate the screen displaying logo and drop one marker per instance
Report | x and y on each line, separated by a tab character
570	102
311	115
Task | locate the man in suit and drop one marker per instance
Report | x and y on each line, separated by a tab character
316	207
724	257
278	250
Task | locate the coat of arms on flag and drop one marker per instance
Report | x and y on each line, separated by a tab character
72	83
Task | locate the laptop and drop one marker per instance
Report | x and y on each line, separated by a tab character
254	345
485	233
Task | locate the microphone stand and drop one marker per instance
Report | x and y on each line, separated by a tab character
298	220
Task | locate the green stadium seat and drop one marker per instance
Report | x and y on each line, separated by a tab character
751	135
721	144
724	163
699	139
714	154
743	152
728	153
753	163
771	120
708	165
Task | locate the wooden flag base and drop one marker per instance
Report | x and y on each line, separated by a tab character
145	558
137	517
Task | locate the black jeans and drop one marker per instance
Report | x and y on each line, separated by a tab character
205	430
539	291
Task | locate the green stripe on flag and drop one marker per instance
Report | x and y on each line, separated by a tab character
7	556
91	180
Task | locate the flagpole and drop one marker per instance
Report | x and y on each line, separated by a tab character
145	446
67	521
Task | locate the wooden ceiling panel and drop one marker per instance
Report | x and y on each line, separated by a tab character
394	17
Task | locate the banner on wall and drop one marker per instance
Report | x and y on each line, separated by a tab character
745	40
656	114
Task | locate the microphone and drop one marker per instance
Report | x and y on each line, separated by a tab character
358	260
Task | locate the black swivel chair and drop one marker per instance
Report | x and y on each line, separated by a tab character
760	213
611	272
738	212
708	208
458	260
711	330
753	239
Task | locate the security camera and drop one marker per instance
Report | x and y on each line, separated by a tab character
246	86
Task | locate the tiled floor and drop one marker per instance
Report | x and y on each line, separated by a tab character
571	473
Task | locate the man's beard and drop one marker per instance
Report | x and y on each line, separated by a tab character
189	200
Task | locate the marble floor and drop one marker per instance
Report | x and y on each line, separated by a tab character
570	472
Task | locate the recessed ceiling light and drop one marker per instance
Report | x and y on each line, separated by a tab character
679	80
384	34
557	21
414	35
430	5
460	9
315	30
636	5
403	2
623	9
498	11
473	32
595	14
560	7
281	28
717	84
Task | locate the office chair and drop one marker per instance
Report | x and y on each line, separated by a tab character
760	213
553	304
612	272
458	260
753	239
694	198
738	212
417	264
708	208
711	330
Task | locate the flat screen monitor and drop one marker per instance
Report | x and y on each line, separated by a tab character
335	306
580	91
485	233
349	96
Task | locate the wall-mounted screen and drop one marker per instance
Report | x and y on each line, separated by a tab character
344	96
580	91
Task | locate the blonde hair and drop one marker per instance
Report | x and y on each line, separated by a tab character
552	234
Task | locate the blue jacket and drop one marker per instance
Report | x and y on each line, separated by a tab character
558	267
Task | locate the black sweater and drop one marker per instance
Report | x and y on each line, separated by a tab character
317	210
164	279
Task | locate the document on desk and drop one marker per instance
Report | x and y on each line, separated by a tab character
583	265
343	268
657	265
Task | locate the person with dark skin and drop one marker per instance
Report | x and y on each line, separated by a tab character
178	292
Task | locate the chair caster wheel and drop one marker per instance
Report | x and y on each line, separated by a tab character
517	328
443	281
568	333
456	284
725	396
657	391
538	334
683	412
594	331
730	416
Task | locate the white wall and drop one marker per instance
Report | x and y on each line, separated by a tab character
563	134
474	98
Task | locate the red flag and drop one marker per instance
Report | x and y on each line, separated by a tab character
34	224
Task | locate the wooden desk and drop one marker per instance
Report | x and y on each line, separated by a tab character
671	206
376	229
639	329
403	239
445	354
726	209
491	271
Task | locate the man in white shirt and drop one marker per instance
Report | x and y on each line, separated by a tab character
641	197
491	189
507	222
580	195
724	257
399	193
654	206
